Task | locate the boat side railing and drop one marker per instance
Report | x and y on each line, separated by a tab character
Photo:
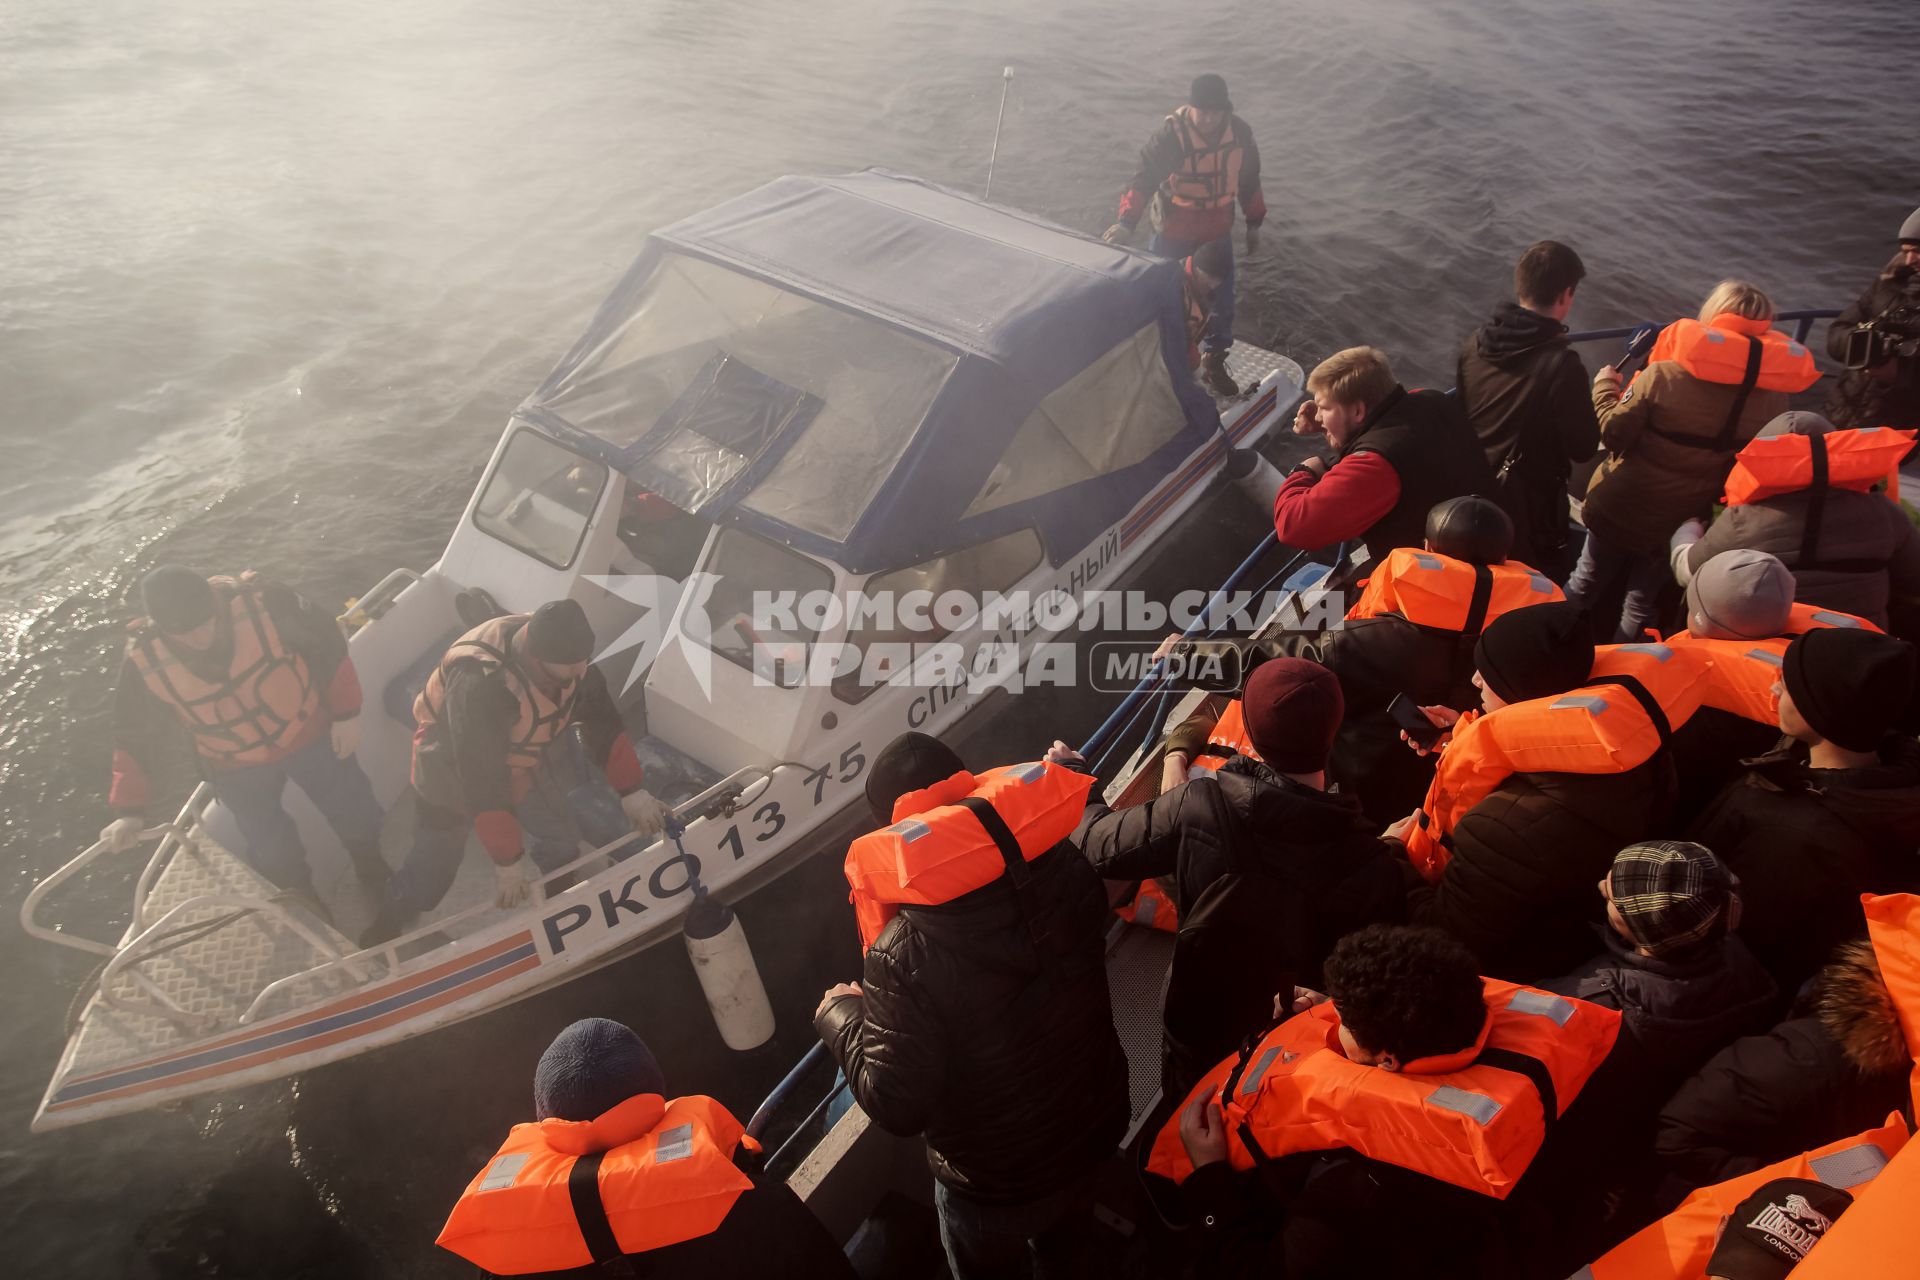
1802	321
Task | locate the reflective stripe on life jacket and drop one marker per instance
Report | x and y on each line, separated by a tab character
1717	351
1678	1246
1743	672
1874	1237
1209	174
262	704
561	1194
541	717
1475	1119
1432	590
1855	459
941	844
1637	696
1151	908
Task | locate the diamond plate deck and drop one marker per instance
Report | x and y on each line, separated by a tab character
1136	972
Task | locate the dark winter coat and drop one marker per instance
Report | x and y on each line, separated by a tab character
1520	888
1525	392
1864	548
1860	398
1336	872
1806	843
767	1221
998	1047
1376	660
1813	1079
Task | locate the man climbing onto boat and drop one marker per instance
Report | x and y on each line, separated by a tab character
1197	163
675	1185
261	680
1208	266
491	752
1397	454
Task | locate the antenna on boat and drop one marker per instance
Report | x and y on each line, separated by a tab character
1006	82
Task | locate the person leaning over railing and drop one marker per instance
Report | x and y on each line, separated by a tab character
1708	388
1885	392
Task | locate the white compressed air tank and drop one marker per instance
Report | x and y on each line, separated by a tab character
723	961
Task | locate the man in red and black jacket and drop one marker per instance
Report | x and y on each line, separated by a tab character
260	680
490	752
1399	454
1197	163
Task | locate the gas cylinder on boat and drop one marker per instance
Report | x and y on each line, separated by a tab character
723	961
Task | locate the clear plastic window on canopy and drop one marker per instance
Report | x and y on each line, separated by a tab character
748	570
702	338
1109	416
540	497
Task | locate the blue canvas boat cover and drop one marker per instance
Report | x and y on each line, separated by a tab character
878	371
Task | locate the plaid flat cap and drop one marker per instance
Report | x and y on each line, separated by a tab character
1671	895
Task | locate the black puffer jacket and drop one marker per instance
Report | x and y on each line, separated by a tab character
1838	1068
1860	399
1002	1051
1525	392
1806	843
1520	889
1376	660
1324	854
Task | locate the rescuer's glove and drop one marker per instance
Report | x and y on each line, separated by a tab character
511	883
645	811
121	834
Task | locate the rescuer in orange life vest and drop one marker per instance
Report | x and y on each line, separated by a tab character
1197	163
982	1017
262	683
1391	1117
1208	267
491	751
611	1168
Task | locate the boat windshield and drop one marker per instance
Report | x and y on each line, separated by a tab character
751	574
540	497
730	379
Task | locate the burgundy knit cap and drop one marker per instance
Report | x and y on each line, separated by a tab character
1293	708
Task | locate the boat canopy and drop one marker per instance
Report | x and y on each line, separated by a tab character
877	371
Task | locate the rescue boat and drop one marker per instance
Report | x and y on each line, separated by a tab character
828	386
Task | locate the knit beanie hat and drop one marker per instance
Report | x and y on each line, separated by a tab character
1849	684
1209	93
592	1067
1536	652
1772	1230
911	762
1671	895
176	599
1795	422
1740	595
1214	258
1292	709
559	633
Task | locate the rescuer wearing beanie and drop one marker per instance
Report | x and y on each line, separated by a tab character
1885	393
262	683
1269	869
1522	848
676	1185
493	752
1834	811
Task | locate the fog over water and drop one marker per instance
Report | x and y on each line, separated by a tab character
271	278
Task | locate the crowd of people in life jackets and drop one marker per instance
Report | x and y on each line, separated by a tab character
1553	912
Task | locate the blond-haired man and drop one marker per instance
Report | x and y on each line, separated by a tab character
1396	454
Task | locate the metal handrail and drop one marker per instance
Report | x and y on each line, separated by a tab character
39	892
129	953
365	609
185	823
1803	325
788	1086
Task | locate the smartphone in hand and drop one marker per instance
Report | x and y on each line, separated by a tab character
1420	730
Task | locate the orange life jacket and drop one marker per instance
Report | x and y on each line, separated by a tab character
1715	352
541	716
1209	174
1677	1247
1638	695
1432	590
261	706
1741	678
1474	1118
1874	1237
1228	739
1856	459
1893	926
663	1172
1151	908
941	844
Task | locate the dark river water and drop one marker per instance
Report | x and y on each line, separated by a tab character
272	276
